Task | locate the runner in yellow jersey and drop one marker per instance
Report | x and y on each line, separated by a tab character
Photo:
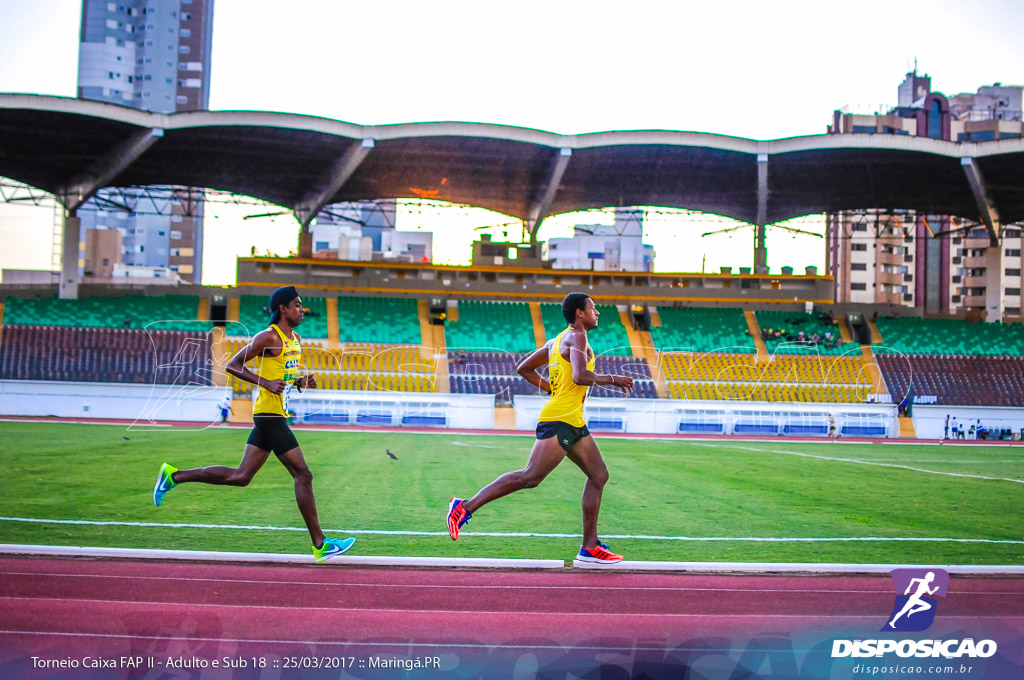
278	350
561	430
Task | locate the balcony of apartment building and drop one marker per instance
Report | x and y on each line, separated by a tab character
975	245
974	261
884	278
975	281
890	255
883	298
974	297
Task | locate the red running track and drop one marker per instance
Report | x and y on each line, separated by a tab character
212	610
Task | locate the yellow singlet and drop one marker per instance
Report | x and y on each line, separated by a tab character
284	366
566	403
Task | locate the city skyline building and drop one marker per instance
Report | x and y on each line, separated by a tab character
364	231
938	264
154	56
601	247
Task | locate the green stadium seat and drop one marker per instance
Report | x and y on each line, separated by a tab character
254	319
378	320
492	326
703	330
609	338
912	335
794	322
164	312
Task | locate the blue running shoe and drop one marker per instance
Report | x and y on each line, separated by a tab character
332	547
457	516
164	483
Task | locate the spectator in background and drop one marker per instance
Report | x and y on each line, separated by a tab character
945	431
954	428
225	409
127	320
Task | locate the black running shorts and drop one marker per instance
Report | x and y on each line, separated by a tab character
566	433
271	433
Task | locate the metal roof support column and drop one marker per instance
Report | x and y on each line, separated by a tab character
993	254
995	301
760	231
310	205
68	287
540	208
986	206
82	186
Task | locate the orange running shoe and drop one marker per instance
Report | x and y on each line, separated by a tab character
598	555
457	516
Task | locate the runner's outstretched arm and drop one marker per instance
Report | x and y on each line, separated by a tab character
527	368
256	348
581	375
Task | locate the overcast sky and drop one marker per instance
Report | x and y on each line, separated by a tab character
762	70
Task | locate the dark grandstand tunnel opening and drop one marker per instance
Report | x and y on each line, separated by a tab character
438	311
219	311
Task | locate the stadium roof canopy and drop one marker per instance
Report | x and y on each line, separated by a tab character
72	147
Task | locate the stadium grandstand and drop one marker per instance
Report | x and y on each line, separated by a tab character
705	360
716	352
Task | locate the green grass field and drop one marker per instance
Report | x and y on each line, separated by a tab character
709	489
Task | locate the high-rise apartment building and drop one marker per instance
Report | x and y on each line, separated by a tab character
152	55
938	263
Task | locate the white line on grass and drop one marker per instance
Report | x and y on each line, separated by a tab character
940	460
520	534
857	462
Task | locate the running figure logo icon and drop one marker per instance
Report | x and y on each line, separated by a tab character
914	610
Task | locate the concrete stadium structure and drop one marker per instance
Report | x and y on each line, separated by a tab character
72	148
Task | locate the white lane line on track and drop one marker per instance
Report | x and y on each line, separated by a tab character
525	534
461	612
334	643
600	587
858	461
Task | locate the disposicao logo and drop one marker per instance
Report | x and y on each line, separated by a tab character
914	609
